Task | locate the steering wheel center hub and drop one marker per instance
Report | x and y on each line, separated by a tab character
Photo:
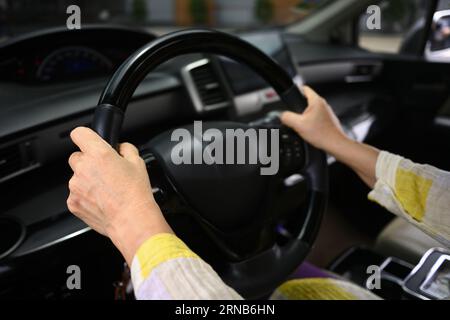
218	168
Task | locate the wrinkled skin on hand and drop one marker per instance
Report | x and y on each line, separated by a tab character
111	192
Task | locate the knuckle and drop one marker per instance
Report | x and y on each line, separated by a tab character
72	184
72	159
72	204
103	154
74	187
75	161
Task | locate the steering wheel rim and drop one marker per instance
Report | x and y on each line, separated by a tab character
260	274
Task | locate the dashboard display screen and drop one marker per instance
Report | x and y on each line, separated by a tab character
242	79
73	62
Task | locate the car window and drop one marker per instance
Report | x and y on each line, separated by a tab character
158	16
392	26
438	45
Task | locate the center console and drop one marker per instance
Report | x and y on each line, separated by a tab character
393	278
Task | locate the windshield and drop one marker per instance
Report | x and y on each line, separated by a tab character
159	16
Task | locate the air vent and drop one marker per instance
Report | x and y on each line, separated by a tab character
16	159
204	86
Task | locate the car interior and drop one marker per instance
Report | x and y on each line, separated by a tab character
398	99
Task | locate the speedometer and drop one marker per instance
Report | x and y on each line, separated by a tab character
73	63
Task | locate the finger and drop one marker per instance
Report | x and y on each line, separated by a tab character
291	119
88	141
128	151
74	160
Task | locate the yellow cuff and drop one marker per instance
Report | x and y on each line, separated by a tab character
159	249
412	191
314	289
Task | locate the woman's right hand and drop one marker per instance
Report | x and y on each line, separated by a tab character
317	125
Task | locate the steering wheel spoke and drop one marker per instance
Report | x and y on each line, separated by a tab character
163	190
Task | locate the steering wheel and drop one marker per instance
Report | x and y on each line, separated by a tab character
242	212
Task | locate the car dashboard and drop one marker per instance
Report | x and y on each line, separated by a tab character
50	83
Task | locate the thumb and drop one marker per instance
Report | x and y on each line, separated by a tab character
291	120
